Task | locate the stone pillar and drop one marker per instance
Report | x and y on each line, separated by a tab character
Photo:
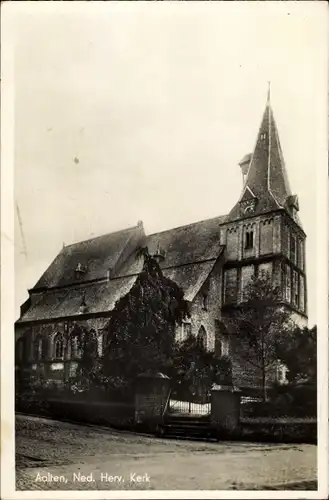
151	397
225	409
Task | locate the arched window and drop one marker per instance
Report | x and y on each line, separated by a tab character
37	348
219	347
59	346
75	343
75	349
249	240
202	337
225	346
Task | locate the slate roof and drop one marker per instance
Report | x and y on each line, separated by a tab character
196	242
97	255
187	244
190	278
64	302
190	254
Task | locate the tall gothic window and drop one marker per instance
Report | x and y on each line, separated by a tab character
302	293
59	346
225	347
202	337
249	240
293	249
37	348
295	287
301	254
75	342
283	280
288	284
75	346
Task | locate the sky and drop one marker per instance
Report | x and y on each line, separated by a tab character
128	111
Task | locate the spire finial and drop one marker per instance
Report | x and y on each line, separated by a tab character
268	92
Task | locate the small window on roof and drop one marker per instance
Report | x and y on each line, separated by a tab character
80	270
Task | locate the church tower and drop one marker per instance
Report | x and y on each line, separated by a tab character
263	230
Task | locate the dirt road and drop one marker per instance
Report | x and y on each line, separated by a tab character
54	455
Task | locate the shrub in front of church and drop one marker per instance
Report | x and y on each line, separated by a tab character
142	328
32	393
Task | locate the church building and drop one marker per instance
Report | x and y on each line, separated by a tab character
211	260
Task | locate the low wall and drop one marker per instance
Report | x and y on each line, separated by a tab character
283	430
120	415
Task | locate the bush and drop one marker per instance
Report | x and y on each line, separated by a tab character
285	401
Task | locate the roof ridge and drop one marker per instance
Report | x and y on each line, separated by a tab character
100	236
186	225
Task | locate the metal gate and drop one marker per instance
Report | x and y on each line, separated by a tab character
188	407
189	401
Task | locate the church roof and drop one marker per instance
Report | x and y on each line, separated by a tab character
191	252
191	277
94	256
65	302
266	179
182	245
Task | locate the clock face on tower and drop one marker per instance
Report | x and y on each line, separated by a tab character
248	206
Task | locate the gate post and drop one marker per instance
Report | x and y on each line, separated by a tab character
152	391
225	409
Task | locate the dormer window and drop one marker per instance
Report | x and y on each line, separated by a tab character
263	136
160	254
249	240
80	270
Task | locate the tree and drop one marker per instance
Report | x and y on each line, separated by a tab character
298	353
194	369
260	323
141	329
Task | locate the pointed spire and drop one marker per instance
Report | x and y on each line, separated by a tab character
266	182
268	102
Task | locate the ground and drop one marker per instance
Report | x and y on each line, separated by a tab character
47	448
